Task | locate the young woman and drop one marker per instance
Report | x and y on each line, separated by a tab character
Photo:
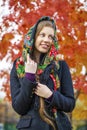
41	85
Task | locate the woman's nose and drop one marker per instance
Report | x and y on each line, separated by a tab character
46	38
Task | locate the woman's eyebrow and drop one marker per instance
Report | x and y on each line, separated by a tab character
42	33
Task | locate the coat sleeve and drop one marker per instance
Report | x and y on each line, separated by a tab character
21	92
63	99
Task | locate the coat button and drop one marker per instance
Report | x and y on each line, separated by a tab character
33	91
31	96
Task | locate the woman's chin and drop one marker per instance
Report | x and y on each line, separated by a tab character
43	51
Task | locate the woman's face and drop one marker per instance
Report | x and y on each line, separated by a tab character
44	40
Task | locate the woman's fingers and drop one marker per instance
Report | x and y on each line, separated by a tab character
43	91
28	58
30	65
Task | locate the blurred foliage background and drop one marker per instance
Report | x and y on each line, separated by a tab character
16	17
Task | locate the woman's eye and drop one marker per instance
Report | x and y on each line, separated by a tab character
42	35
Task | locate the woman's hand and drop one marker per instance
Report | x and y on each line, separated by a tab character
43	91
30	65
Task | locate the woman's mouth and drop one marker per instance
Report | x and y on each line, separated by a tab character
44	45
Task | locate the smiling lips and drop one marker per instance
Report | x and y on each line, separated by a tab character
44	45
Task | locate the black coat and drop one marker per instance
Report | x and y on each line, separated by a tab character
26	103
